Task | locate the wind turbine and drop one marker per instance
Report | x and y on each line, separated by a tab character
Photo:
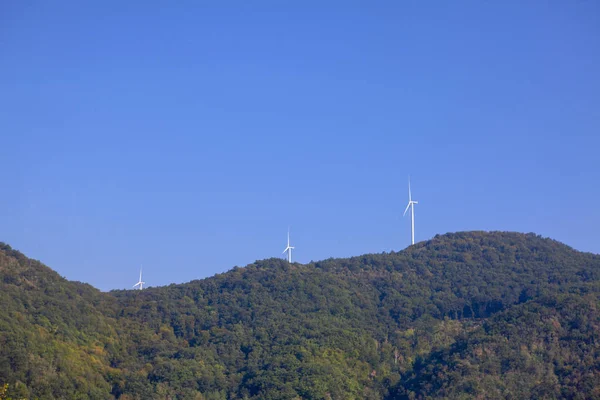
140	283
288	248
411	205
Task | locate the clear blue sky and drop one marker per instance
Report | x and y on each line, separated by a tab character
187	137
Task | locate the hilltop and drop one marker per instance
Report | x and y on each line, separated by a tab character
498	315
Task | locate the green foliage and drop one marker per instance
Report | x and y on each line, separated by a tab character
474	314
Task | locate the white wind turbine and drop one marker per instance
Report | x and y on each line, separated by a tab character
288	248
411	205
140	283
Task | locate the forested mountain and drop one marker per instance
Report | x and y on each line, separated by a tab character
464	315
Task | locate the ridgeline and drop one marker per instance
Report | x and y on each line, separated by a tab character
466	315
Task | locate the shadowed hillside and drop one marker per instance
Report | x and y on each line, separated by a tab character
495	315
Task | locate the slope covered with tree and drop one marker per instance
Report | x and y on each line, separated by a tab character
494	315
53	333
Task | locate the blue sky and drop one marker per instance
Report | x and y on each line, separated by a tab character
188	137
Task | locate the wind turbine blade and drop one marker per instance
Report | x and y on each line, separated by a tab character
407	207
409	194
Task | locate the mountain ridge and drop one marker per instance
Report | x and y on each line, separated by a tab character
8	250
375	326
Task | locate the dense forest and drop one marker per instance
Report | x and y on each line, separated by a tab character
466	315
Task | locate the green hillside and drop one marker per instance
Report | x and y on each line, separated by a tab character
465	315
53	333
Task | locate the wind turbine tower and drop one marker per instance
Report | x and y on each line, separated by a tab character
140	283
288	248
411	205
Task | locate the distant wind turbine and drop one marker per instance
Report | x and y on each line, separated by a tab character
411	205
288	248
140	283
